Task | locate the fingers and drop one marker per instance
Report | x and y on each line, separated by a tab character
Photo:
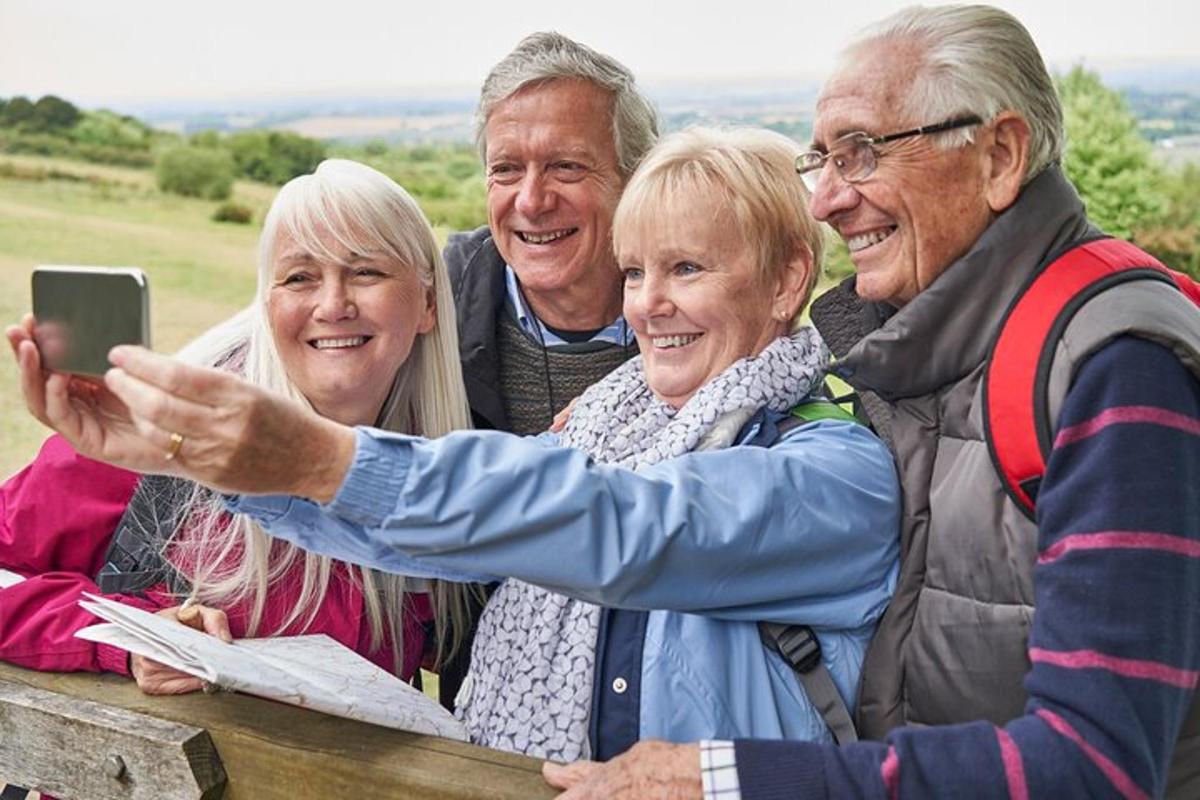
156	412
212	621
159	679
199	385
180	683
15	335
215	623
60	413
563	416
190	616
33	380
564	776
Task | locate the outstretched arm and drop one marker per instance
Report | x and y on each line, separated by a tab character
804	531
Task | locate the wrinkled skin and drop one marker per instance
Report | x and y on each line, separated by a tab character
929	204
651	768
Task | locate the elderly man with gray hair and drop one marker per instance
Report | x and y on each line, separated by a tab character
560	128
936	158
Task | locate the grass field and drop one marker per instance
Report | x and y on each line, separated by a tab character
59	212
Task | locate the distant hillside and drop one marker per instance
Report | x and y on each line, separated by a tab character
1165	100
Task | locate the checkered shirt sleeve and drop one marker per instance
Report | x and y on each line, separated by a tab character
718	770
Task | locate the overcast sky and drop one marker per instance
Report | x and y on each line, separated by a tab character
113	51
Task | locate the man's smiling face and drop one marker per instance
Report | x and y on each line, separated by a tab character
553	184
923	207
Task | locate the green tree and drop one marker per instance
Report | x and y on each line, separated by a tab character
53	114
195	172
274	156
205	138
17	111
107	129
1110	164
1175	237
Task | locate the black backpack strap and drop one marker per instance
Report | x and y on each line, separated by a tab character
800	649
134	561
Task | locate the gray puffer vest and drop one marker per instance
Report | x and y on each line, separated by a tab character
952	646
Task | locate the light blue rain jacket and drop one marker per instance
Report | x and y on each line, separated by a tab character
804	532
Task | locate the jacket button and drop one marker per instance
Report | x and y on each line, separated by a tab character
619	685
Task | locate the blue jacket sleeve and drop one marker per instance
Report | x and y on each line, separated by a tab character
805	531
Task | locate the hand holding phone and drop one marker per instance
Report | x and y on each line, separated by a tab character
83	312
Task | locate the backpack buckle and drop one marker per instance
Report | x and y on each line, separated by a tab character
800	647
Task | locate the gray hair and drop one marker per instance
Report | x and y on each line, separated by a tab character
976	59
549	56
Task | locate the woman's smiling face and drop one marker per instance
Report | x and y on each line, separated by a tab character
344	325
696	296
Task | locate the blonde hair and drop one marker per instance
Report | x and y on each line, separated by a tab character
233	561
752	171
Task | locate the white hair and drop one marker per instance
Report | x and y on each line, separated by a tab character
363	211
548	56
974	59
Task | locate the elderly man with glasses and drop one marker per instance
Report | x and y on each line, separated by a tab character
936	158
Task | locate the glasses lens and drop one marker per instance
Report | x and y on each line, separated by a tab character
809	165
854	157
809	179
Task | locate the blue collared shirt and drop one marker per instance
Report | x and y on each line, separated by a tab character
617	332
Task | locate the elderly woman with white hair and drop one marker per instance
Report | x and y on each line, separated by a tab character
351	320
698	490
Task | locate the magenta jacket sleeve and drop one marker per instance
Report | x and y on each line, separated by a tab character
56	519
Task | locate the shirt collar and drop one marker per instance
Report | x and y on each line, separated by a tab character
616	332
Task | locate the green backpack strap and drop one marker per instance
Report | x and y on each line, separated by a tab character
819	409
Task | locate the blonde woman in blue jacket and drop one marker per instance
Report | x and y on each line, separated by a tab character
644	543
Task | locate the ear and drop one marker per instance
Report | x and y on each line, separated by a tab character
1007	151
429	317
792	288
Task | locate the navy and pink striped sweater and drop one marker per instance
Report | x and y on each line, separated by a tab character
1115	644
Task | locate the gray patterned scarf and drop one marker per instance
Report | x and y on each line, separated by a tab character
530	684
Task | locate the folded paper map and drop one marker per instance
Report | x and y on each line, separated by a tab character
308	671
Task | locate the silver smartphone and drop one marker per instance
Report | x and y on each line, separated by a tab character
83	312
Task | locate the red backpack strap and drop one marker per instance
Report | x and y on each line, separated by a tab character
1187	285
1017	421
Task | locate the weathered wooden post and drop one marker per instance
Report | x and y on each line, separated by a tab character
73	748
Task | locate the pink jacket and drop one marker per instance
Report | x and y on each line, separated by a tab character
56	518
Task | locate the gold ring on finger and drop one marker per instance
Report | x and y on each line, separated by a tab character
173	450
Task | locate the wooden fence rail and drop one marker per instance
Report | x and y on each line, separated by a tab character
97	737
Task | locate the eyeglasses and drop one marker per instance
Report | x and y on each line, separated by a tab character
854	155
